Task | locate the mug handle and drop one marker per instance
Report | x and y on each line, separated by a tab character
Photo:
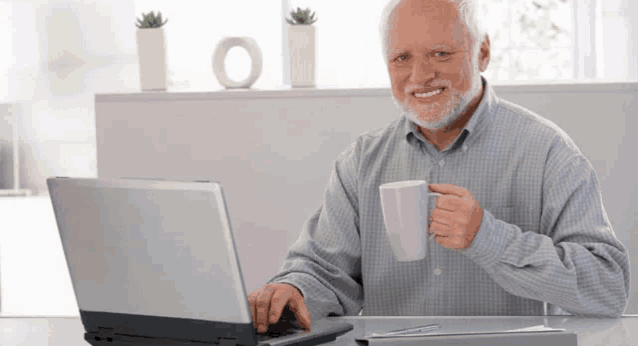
433	194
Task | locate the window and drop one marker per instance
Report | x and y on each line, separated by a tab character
530	40
533	41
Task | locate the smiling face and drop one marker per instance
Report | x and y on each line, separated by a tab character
434	71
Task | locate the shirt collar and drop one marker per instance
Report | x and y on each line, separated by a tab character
481	117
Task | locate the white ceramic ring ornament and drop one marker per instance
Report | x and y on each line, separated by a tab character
220	55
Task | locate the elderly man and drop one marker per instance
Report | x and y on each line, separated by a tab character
520	220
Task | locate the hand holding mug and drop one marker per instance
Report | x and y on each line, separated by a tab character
456	218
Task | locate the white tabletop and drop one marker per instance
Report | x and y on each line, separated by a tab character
60	331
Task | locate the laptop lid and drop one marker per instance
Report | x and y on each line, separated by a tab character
150	247
156	258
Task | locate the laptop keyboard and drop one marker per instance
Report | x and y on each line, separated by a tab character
277	334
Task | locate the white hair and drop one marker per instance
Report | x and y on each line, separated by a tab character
468	10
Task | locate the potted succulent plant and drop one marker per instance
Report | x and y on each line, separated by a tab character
152	52
301	46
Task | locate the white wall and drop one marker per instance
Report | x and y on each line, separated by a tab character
98	37
84	48
273	152
632	25
34	277
58	129
619	55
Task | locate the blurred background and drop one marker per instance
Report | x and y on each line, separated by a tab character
57	55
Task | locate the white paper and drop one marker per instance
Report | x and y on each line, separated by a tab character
379	336
532	329
539	328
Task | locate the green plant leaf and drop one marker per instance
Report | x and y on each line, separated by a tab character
301	17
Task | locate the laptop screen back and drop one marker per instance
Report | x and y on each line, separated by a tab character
150	248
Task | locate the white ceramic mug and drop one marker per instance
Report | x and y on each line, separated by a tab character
405	211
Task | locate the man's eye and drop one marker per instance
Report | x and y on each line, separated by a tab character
442	54
404	56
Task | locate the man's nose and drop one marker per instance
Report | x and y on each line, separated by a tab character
423	71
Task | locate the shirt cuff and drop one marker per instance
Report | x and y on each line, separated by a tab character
291	280
490	241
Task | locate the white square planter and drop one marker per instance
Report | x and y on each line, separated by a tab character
301	46
151	51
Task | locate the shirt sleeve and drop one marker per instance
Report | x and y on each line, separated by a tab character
575	261
325	261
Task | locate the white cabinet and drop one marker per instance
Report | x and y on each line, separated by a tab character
273	155
273	151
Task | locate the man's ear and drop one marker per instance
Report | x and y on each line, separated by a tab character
484	55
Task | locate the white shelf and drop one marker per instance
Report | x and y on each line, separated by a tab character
251	94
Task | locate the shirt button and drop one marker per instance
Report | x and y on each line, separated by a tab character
437	271
464	147
441	163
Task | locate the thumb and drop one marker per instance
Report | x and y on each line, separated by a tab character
447	189
438	187
301	312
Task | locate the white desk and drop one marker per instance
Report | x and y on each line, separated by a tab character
58	331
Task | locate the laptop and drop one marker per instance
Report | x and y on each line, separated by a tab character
154	262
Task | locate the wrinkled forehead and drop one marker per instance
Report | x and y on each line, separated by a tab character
431	24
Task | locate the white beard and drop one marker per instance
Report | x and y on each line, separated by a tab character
449	111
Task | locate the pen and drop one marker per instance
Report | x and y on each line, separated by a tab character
414	330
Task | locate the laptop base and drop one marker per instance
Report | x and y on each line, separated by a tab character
102	339
105	339
108	328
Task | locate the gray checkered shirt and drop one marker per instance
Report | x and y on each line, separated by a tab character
544	237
